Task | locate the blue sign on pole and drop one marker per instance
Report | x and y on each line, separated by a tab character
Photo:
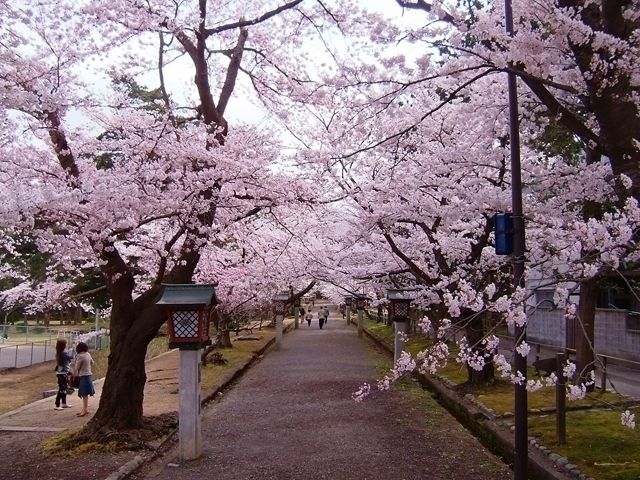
503	229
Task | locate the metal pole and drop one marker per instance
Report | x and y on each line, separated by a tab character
398	343
521	454
279	329
189	418
561	414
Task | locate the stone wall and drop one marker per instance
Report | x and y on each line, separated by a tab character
611	335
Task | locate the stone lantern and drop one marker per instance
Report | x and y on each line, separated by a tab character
361	302
280	308
188	308
399	312
348	301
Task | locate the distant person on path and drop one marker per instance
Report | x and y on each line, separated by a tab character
83	371
309	317
321	318
326	314
63	360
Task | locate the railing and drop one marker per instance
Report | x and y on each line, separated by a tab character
16	351
604	359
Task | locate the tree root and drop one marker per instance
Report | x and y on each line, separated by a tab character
113	440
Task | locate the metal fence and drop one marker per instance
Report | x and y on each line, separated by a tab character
21	346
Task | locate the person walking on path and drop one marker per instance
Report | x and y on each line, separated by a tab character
326	314
321	318
63	360
309	317
82	369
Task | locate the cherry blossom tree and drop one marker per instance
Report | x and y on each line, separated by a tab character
376	116
574	57
146	192
395	157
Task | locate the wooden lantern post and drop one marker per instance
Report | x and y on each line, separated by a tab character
280	308
348	302
361	302
188	308
400	305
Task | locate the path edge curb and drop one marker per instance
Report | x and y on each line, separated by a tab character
494	437
132	466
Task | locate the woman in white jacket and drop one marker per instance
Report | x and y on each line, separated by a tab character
82	370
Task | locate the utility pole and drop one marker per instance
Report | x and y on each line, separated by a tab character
521	453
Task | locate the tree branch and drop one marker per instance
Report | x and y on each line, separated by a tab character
415	269
61	145
425	7
232	72
247	23
566	117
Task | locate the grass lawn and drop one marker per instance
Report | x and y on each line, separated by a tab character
213	375
596	442
499	397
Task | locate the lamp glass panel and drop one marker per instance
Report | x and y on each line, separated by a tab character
280	307
185	323
402	310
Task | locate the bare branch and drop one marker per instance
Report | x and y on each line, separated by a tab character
88	293
247	23
425	7
232	72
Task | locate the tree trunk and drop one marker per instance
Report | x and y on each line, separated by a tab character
133	326
224	339
436	314
474	330
585	330
77	315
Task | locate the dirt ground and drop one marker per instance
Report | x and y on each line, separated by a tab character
24	456
20	386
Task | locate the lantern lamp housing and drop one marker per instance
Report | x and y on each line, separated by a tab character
400	304
280	303
188	308
361	302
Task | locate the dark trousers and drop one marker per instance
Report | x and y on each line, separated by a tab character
61	397
321	322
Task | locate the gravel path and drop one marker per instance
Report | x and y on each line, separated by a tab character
292	417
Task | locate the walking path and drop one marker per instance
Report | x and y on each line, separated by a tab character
292	417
